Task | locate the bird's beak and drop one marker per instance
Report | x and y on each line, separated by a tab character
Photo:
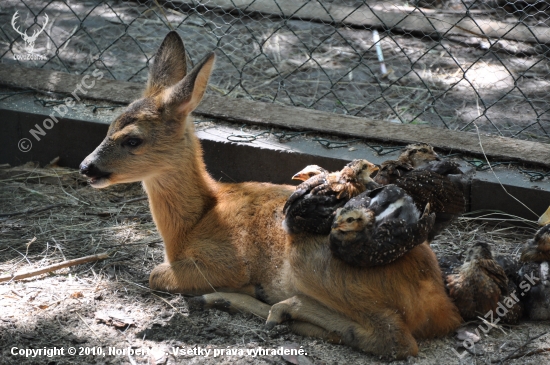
301	177
335	225
545	218
437	158
374	169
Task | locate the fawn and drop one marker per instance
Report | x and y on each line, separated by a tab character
226	243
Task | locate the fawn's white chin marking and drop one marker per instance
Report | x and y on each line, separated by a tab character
99	182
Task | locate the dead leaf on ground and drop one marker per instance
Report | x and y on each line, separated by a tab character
114	318
464	334
77	294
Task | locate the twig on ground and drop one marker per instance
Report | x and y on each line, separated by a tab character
17	178
132	200
167	302
90	328
512	354
33	210
530	353
61	265
134	244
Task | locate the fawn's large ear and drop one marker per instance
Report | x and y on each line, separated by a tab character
181	99
169	66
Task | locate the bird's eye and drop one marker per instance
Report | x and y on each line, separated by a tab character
311	174
424	150
349	220
132	142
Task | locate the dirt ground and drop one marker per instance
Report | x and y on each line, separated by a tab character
106	306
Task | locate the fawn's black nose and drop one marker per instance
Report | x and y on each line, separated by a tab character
90	170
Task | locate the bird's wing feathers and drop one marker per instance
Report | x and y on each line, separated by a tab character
313	213
442	167
304	188
495	272
382	197
428	187
360	201
395	238
477	287
462	294
390	241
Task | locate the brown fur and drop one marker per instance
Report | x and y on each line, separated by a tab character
230	236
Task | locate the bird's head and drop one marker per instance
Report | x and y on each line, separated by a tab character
418	154
308	172
362	169
352	220
545	218
479	250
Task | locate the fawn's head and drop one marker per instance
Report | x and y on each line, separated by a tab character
153	133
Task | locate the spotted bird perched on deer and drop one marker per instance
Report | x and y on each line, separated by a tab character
418	173
378	227
311	208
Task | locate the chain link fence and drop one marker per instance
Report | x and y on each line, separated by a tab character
453	64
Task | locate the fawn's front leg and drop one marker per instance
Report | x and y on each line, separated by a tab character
246	303
382	334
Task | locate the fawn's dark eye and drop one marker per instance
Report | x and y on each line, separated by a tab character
132	142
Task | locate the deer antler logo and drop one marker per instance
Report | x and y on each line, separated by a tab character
29	40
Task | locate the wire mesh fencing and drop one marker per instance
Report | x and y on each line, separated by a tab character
456	64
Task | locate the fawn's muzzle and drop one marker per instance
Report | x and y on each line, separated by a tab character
92	171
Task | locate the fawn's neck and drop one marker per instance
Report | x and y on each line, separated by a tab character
179	197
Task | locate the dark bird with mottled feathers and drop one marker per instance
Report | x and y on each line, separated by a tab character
378	227
445	198
427	179
414	156
311	208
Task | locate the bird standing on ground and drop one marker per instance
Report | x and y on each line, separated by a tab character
535	273
312	206
378	227
480	284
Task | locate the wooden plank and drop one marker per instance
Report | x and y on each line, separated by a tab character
399	18
271	115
